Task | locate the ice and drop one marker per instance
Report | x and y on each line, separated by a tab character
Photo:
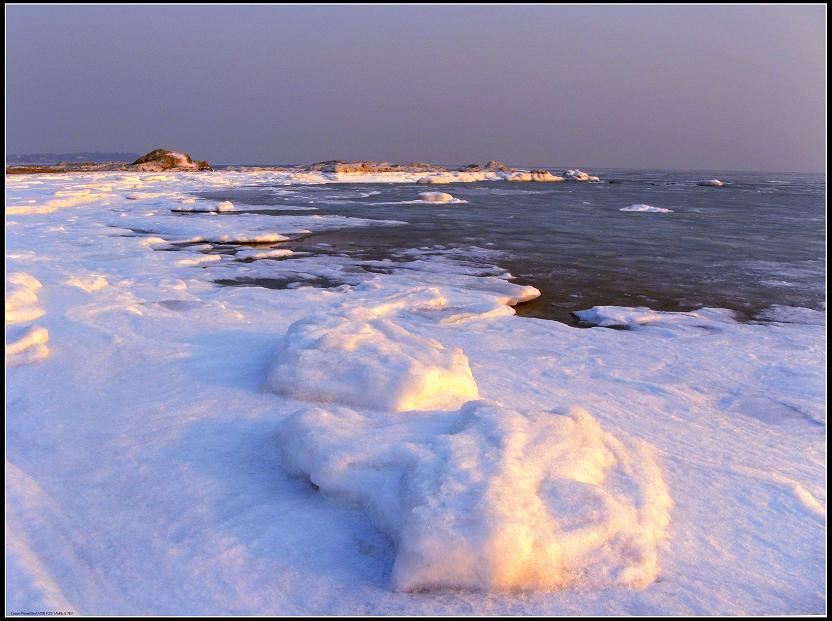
267	253
489	497
580	175
143	475
646	208
193	206
436	197
628	317
366	358
715	183
205	258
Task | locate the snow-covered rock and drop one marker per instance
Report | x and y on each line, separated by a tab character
164	159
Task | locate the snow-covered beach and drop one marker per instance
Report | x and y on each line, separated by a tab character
399	444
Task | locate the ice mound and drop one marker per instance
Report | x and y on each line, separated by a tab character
646	208
367	359
22	297
489	497
580	175
714	183
436	197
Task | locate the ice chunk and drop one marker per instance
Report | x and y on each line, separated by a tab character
634	317
199	260
204	207
266	253
489	497
580	175
646	208
436	197
715	183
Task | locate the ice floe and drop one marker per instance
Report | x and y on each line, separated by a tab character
205	207
265	253
646	208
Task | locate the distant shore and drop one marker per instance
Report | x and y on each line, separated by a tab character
165	160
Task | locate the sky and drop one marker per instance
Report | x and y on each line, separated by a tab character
672	87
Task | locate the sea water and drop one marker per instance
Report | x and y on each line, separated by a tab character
755	242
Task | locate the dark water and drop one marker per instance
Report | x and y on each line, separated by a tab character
758	241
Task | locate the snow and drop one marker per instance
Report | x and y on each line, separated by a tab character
366	356
26	345
465	461
88	282
22	297
646	208
491	498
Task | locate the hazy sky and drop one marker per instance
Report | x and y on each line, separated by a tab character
704	87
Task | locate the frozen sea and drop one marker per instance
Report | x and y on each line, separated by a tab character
292	393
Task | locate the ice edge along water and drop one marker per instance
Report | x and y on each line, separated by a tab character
433	407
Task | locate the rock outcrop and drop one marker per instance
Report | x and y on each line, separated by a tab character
165	159
366	166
